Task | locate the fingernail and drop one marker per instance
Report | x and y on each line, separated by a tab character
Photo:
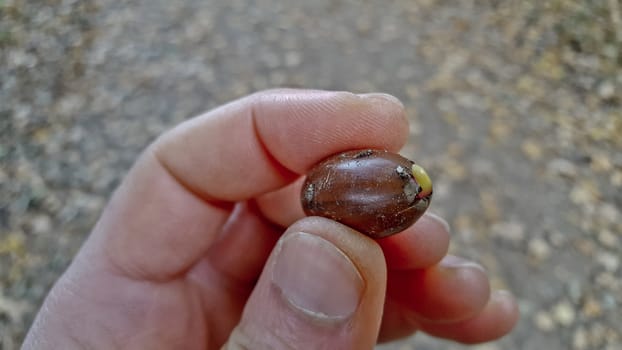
454	262
439	220
317	278
382	97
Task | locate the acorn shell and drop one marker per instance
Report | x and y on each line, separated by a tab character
372	191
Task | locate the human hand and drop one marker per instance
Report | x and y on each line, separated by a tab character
190	251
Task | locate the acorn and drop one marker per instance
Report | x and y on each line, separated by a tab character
375	192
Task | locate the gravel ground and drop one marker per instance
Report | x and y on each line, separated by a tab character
515	111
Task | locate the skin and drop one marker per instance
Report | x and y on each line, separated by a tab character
182	255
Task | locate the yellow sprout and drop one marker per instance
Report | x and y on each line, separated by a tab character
423	180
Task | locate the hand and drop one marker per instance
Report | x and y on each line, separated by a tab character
190	252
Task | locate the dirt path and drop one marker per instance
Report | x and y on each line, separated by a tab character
515	112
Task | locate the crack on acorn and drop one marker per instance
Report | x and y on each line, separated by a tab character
363	154
310	195
401	171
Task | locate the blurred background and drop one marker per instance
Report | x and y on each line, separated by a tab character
514	109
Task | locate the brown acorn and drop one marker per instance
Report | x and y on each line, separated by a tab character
376	192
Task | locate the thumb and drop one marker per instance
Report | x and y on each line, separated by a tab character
323	287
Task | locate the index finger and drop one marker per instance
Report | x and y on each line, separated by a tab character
260	143
168	210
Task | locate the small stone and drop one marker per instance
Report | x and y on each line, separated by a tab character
606	90
609	213
14	309
452	118
597	334
412	91
608	280
564	314
584	192
531	149
544	321
21	58
574	289
499	130
490	205
454	169
609	302
591	308
70	104
579	339
13	243
415	127
585	246
608	239
609	261
562	167
41	224
41	135
601	162
538	249
616	179
462	222
363	25
509	230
